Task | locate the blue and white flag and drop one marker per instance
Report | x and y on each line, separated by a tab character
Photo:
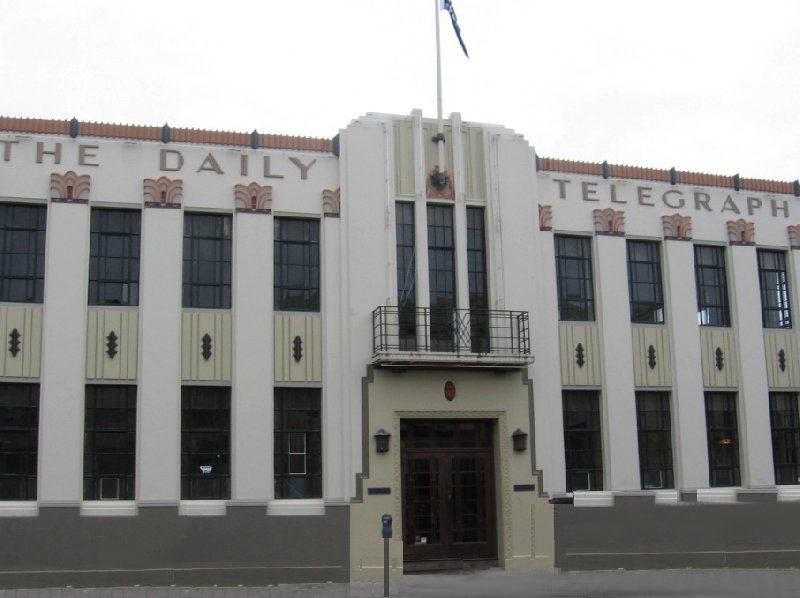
448	6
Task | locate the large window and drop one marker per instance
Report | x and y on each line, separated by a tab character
19	439
655	439
114	257
441	276
774	283
207	261
478	283
712	286
574	278
296	261
582	444
785	424
22	253
644	282
298	443
406	276
723	439
205	442
109	447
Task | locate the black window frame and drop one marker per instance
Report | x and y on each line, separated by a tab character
654	430
22	252
722	430
574	278
773	282
114	256
441	275
109	442
296	262
205	442
583	442
784	419
405	245
19	441
297	414
478	276
711	282
207	260
645	286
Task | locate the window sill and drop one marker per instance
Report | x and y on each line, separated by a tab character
109	508
19	508
717	496
788	493
202	508
296	506
593	498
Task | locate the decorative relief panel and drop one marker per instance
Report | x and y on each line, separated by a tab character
719	358
70	187
22	330
163	193
652	356
444	192
545	217
782	357
474	161
331	202
404	157
298	347
741	232
112	344
609	222
253	198
206	345
580	354
677	227
794	235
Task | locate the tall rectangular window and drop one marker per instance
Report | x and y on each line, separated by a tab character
22	230
406	276
441	276
655	439
785	424
205	443
774	283
19	441
574	278
723	439
296	265
114	257
582	443
478	283
298	443
644	282
712	286
207	260
109	446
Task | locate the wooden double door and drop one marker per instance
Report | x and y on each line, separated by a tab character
448	490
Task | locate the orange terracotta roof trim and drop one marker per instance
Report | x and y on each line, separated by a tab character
44	126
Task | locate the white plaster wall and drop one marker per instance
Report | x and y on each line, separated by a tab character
63	354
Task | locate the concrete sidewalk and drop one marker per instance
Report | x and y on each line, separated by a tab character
490	583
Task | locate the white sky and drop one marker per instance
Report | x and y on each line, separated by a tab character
702	85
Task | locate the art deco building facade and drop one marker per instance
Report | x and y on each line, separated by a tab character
229	354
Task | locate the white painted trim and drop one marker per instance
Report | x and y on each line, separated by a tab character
109	508
593	499
667	497
292	507
22	508
202	508
788	493
718	496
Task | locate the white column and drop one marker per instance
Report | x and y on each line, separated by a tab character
755	445
62	389
158	431
252	394
618	404
690	450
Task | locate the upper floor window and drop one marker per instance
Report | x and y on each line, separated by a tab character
406	276
644	282
207	260
22	230
441	276
296	265
114	257
774	283
478	283
712	286
19	440
574	278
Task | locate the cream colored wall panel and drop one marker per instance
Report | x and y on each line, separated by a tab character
652	356
782	358
206	358
474	162
122	362
580	344
718	347
27	321
429	130
308	329
404	157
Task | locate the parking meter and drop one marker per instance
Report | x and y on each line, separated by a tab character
386	521
386	532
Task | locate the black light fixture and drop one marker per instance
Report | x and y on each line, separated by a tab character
520	440
382	441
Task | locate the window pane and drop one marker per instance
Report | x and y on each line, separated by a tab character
296	265
582	442
22	253
19	425
574	278
207	261
723	439
298	443
712	286
205	442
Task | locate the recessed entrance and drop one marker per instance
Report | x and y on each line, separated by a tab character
448	490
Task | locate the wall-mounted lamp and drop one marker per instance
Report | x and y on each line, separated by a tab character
382	441
520	440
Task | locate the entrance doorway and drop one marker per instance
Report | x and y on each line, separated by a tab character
448	490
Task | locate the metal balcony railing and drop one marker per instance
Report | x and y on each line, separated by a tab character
465	332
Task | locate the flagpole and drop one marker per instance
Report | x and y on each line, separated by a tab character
440	136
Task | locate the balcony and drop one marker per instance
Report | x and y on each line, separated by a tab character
431	337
